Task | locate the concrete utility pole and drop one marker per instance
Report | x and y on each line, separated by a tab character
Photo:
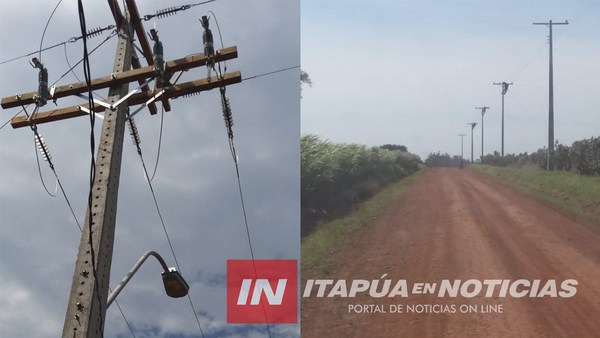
550	162
483	110
87	303
462	137
472	124
85	316
504	90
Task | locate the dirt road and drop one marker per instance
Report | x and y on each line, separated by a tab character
457	224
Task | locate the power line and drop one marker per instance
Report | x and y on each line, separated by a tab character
71	68
69	64
46	153
33	53
270	73
160	134
88	243
71	40
113	34
158	14
136	141
7	122
46	27
228	118
38	141
92	177
123	314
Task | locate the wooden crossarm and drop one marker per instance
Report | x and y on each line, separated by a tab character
192	61
136	99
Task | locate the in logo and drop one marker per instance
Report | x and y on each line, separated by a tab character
267	295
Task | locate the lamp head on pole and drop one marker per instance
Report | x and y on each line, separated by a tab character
175	285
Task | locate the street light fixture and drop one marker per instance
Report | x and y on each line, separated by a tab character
175	285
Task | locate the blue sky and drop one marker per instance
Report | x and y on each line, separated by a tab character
412	72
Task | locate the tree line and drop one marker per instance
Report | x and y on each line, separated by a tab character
582	156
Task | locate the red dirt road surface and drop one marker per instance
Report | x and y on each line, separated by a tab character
456	224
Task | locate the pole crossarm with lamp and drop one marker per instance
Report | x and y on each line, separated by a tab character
175	285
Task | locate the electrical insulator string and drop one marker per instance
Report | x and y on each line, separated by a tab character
173	10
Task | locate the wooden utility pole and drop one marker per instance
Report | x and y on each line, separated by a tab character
550	162
85	315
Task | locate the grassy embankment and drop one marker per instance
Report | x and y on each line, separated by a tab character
318	246
571	192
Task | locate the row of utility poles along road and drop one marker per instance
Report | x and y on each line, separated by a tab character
505	85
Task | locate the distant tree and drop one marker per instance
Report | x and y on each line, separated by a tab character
562	158
444	160
394	147
305	78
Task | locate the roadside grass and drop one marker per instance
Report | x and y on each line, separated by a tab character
317	247
571	192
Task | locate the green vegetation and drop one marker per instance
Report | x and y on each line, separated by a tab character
569	191
336	177
445	160
582	157
318	246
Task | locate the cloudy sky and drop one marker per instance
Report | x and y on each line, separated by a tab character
412	72
195	183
